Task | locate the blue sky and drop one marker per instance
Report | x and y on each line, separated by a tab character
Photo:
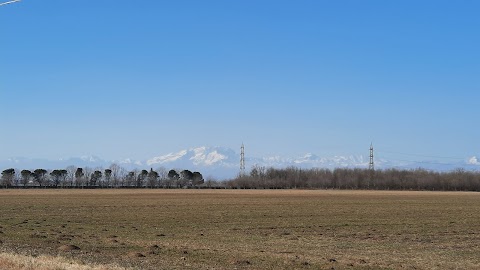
137	79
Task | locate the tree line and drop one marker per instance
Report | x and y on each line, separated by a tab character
258	178
113	177
357	178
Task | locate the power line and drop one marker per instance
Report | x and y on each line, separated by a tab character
9	2
419	162
434	162
419	155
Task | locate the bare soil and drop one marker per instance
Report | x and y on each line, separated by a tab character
245	229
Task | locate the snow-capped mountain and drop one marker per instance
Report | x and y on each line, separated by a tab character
35	163
223	163
217	162
201	156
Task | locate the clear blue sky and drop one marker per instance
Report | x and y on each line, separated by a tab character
137	79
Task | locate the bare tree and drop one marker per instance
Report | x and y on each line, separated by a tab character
107	177
162	176
17	178
211	182
116	174
71	175
88	174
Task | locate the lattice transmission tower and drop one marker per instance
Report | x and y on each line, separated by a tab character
242	160
371	165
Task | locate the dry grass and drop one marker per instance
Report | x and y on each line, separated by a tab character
21	262
245	229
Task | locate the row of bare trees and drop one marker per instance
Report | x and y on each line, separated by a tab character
356	178
259	177
113	177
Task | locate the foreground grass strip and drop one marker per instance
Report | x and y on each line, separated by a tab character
9	261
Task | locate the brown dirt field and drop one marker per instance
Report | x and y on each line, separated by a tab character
245	229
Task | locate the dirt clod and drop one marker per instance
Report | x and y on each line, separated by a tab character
68	248
135	255
242	262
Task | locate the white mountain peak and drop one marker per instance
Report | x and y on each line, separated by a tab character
90	158
171	157
199	156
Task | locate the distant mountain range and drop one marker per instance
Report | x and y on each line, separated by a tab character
221	163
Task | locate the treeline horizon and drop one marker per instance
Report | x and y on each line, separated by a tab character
358	178
258	178
113	177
